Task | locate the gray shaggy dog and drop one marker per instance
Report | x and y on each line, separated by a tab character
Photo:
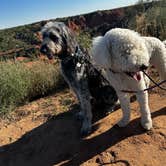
60	42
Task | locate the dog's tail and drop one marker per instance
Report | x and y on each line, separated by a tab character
157	51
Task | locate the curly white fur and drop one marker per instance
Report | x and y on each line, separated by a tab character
122	51
157	52
164	42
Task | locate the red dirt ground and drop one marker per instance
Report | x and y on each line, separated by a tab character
43	133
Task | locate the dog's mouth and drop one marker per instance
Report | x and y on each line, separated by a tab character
50	56
134	75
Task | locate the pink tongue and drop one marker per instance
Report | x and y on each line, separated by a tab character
137	76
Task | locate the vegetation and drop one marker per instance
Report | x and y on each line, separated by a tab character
20	83
147	17
84	39
20	37
152	22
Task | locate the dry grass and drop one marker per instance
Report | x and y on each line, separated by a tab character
20	83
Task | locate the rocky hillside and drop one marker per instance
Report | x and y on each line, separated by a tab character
144	18
148	19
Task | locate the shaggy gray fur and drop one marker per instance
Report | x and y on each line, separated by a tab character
59	41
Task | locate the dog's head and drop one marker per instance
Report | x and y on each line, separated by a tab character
58	40
122	51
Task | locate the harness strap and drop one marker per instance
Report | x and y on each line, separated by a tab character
149	88
152	87
157	84
81	58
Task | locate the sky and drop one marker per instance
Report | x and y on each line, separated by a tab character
19	12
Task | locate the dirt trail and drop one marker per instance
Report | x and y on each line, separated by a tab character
42	134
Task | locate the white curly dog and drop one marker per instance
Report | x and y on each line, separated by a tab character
164	42
122	54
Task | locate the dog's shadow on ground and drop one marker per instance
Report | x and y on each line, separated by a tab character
58	140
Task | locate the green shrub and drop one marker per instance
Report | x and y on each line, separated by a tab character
14	85
84	39
44	77
20	83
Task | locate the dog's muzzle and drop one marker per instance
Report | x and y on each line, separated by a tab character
45	50
143	67
137	75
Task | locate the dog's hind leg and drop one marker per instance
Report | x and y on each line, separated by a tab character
125	106
146	120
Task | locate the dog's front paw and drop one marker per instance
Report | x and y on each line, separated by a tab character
86	128
146	123
123	122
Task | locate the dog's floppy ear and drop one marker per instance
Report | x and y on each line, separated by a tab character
69	37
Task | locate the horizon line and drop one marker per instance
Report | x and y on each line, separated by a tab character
58	17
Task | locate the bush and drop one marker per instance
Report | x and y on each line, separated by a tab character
44	78
84	39
14	85
20	83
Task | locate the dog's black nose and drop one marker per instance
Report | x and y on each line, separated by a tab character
143	67
44	49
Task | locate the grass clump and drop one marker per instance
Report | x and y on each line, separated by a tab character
14	85
20	83
84	39
44	78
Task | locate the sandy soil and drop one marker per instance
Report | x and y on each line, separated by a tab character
46	133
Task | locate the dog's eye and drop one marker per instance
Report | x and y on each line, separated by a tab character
53	37
57	29
45	35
